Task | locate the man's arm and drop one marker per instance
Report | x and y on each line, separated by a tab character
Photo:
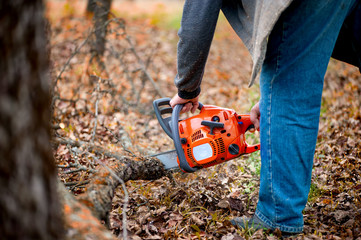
195	37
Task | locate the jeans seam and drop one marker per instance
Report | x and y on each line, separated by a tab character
270	150
279	54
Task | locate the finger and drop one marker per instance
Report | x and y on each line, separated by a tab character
255	115
187	107
255	121
194	107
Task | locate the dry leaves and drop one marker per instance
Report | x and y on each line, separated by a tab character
201	204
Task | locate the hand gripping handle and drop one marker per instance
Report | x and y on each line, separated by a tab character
162	108
248	126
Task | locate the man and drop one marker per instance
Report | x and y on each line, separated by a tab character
292	41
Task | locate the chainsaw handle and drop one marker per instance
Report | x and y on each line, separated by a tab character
183	164
248	126
164	122
162	106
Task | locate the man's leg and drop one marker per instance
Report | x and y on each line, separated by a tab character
291	81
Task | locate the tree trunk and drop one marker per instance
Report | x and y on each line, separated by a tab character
101	12
29	204
90	7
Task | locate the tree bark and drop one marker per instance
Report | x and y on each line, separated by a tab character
90	6
100	192
29	204
101	12
80	223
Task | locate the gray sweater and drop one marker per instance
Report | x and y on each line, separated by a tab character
253	21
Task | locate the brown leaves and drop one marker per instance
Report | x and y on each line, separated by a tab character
202	204
190	210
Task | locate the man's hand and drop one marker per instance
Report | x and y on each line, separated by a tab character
255	115
189	104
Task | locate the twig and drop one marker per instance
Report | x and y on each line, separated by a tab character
142	66
118	56
72	55
90	147
121	142
144	76
76	184
81	168
96	110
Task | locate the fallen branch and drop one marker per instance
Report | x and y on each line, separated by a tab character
101	189
126	198
79	221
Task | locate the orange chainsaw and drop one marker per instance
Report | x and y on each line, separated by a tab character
213	136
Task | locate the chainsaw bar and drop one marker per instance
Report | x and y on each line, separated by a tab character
169	159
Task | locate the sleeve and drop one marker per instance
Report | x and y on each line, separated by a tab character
198	24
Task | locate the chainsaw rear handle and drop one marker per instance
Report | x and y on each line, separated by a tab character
183	164
248	125
162	107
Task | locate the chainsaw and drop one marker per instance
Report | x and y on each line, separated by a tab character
213	136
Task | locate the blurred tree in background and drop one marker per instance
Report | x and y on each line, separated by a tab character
29	203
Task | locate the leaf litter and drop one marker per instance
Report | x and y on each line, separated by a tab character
199	205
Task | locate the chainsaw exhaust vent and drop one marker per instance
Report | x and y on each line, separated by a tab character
190	156
206	165
197	135
220	145
214	148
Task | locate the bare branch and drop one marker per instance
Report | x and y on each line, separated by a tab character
71	56
89	147
142	66
96	109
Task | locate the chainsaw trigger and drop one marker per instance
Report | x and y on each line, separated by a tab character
251	128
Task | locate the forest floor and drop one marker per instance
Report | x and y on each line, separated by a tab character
112	109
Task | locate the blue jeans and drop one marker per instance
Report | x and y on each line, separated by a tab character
291	82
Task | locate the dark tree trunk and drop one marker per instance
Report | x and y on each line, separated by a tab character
29	204
90	6
101	12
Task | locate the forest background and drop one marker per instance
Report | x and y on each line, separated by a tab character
103	121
